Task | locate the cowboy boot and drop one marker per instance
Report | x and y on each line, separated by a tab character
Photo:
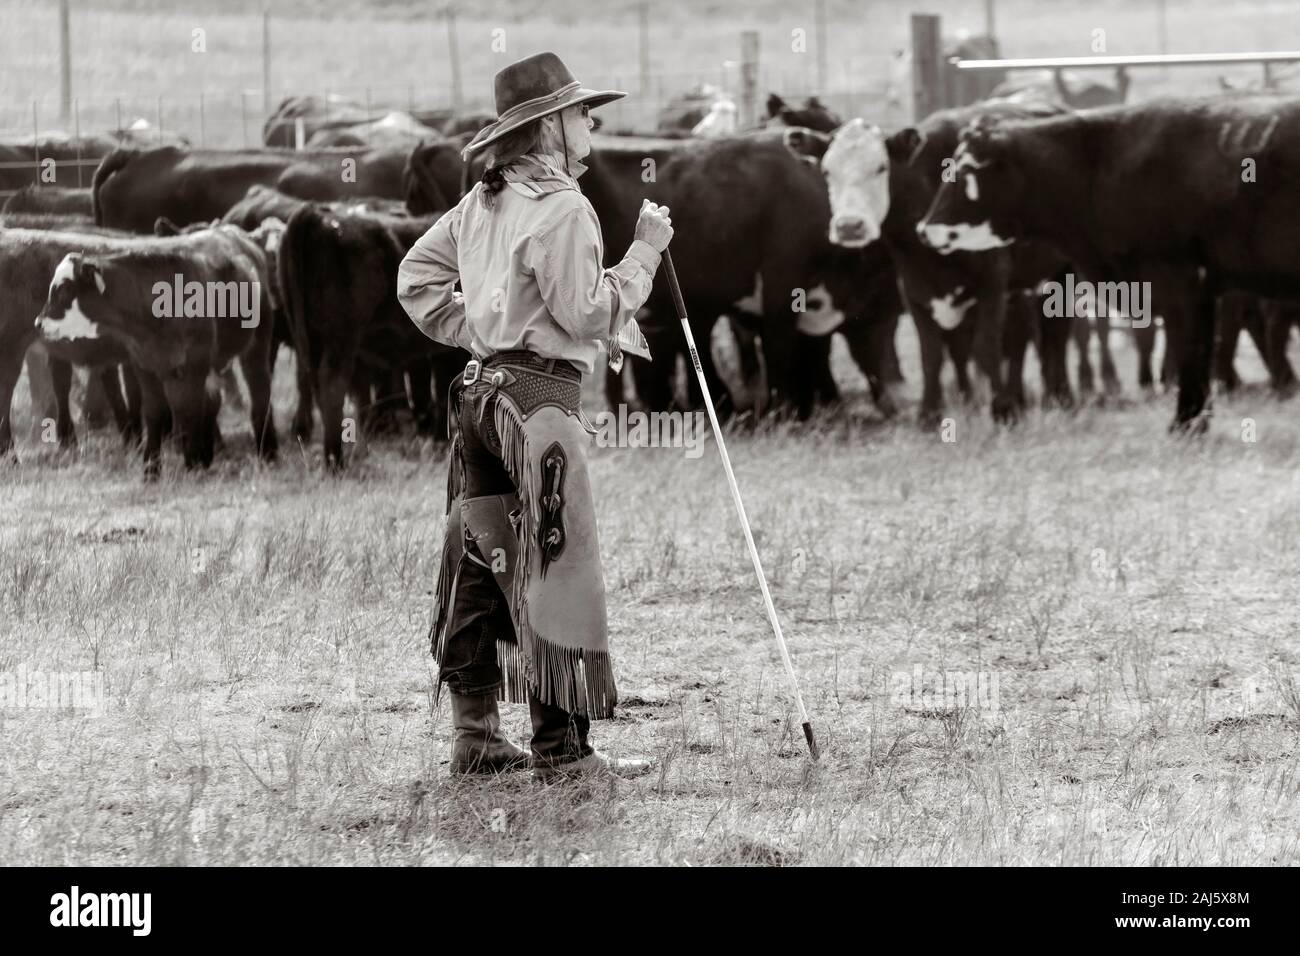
479	746
561	751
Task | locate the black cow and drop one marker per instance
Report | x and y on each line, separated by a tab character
179	309
133	188
812	115
1191	195
55	200
750	235
338	274
22	160
880	187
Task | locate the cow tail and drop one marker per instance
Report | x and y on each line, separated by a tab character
107	167
295	247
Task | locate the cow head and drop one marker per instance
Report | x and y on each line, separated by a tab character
856	165
87	317
813	115
435	174
73	308
972	211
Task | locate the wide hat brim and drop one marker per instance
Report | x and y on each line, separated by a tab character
535	109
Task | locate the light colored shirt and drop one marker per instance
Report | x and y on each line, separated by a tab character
531	273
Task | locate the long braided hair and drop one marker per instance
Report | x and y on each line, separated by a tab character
509	148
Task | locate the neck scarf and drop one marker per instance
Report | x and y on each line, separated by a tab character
538	174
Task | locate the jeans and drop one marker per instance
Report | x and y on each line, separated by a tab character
481	612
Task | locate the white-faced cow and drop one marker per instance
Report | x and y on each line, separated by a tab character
180	308
880	186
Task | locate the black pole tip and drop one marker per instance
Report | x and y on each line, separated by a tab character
812	741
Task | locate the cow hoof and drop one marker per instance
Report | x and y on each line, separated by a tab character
1192	427
1005	410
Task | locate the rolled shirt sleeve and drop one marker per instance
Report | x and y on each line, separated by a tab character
587	300
425	285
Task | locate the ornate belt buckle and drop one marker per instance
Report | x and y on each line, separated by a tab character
471	373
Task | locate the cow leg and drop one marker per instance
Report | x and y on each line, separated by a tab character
1231	313
108	384
11	367
957	343
383	416
98	404
331	389
1253	322
810	379
154	407
1187	303
867	339
1017	332
420	373
194	402
1082	328
752	375
1109	376
61	379
255	364
1278	316
990	312
932	347
302	415
890	369
40	385
1144	341
654	380
1054	333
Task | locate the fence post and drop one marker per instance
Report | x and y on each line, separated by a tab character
36	143
927	66
748	78
454	58
160	122
643	46
243	117
76	132
266	61
65	62
820	13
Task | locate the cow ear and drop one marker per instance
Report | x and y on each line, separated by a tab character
904	145
774	105
807	144
92	271
814	104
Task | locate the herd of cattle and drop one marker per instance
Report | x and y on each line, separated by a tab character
793	233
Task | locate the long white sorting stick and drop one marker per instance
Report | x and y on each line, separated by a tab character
680	305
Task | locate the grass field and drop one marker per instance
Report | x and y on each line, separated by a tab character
1124	602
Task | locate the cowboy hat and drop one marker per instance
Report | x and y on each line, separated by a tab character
532	88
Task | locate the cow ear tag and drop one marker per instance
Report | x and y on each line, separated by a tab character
99	281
